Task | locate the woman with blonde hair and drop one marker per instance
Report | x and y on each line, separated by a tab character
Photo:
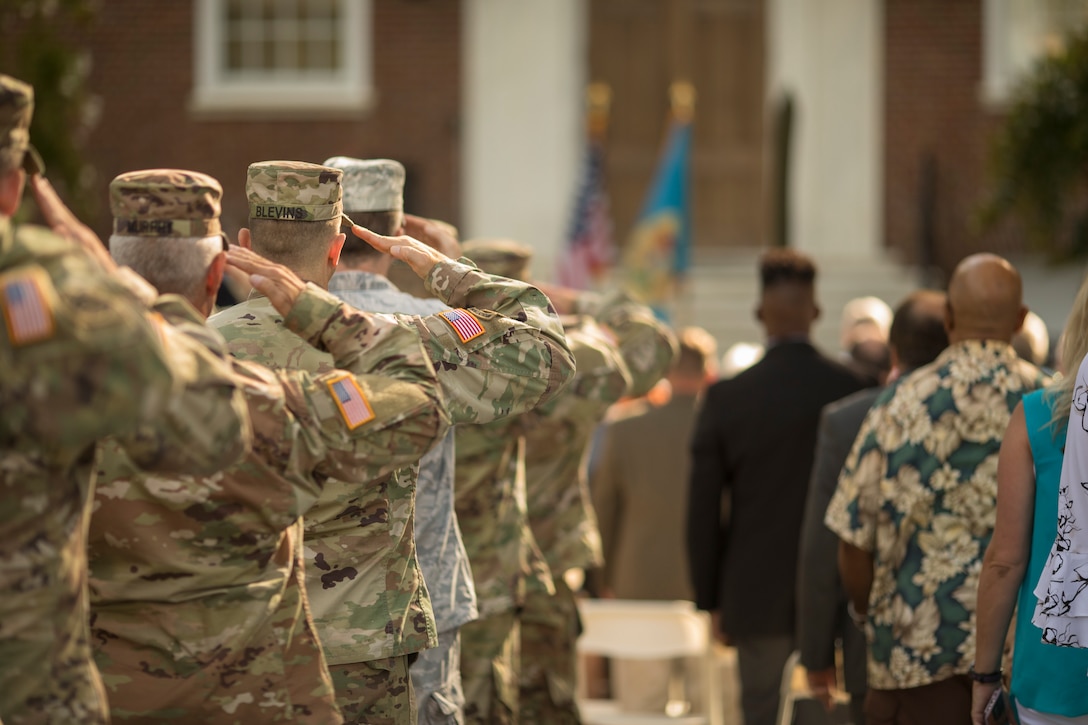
1048	683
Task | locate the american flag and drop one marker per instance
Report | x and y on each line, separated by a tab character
590	249
353	405
464	323
27	314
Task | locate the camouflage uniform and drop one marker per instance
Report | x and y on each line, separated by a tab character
628	357
506	562
199	603
369	600
80	358
376	185
506	565
197	589
556	435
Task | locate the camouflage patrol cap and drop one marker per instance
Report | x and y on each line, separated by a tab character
294	191
16	110
165	203
503	257
371	184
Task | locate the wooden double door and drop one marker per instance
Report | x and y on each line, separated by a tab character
638	48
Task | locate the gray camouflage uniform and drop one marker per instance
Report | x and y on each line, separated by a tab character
439	546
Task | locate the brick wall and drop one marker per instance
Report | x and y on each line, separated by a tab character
143	72
933	109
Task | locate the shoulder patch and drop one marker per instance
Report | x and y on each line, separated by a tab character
464	323
28	312
350	399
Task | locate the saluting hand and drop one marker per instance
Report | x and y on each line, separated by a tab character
434	234
63	222
417	255
278	283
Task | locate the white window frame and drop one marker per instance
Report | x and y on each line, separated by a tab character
349	88
1012	41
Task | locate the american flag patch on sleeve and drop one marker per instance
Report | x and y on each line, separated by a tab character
27	312
351	401
464	324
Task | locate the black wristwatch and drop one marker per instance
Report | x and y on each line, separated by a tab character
987	678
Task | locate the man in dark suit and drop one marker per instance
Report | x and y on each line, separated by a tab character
753	443
917	337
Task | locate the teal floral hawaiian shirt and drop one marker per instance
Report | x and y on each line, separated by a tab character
919	491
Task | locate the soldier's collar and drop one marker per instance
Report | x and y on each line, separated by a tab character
355	279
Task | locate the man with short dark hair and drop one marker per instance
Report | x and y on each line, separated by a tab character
753	445
917	337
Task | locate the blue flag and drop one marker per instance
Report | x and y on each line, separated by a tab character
658	252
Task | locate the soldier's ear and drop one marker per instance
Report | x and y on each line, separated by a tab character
212	279
244	239
335	247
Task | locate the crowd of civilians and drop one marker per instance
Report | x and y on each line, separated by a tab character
883	510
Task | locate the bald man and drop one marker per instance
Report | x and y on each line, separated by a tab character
915	503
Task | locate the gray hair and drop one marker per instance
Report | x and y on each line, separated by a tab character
173	265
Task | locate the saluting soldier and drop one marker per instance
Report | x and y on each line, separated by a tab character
620	348
196	585
626	354
506	562
374	198
498	352
81	357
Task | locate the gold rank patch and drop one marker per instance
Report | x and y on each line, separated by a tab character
464	323
28	313
350	399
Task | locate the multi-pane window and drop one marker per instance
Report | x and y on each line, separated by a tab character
282	36
289	55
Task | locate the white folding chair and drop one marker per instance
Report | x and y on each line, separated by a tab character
794	689
649	630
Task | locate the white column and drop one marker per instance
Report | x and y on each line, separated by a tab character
829	55
524	66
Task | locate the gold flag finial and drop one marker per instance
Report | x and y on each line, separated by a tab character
599	103
682	99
